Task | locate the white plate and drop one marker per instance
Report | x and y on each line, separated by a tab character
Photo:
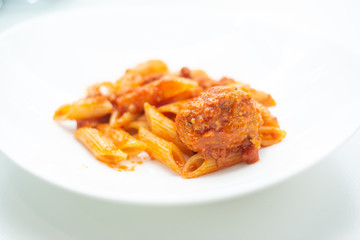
51	60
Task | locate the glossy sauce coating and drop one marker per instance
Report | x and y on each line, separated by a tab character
220	120
155	93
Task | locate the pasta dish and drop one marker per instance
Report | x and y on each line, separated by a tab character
186	120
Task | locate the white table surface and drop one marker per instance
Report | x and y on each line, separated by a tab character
322	202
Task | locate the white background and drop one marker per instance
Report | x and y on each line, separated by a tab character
323	202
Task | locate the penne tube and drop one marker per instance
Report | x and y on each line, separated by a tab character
202	78
260	96
198	73
117	121
137	124
174	107
188	94
99	145
271	135
155	93
141	74
123	140
163	127
162	150
92	122
84	108
145	68
106	89
198	165
267	117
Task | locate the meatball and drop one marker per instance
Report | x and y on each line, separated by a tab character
220	120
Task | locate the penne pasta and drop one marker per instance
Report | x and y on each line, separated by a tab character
106	89
172	116
162	150
141	74
174	107
198	165
267	117
83	109
92	122
123	140
99	145
163	127
260	96
140	122
201	77
186	95
154	93
117	121
198	73
271	135
146	68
